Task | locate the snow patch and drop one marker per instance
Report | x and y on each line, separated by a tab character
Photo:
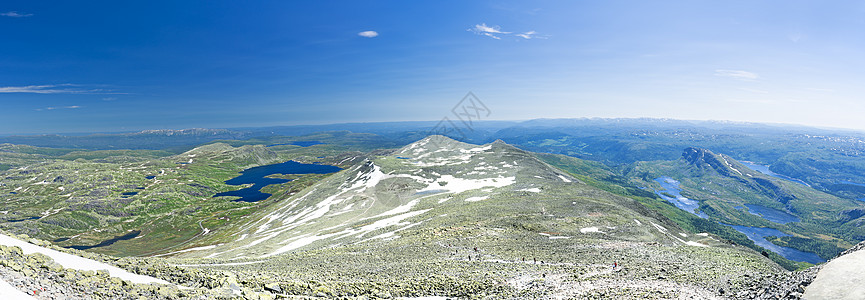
10	292
475	199
729	165
401	209
459	185
76	262
590	229
659	227
689	243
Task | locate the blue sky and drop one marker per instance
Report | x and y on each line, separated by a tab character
72	66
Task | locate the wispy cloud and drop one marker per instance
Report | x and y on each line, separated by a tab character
490	31
368	34
737	74
59	107
496	32
527	35
15	14
66	88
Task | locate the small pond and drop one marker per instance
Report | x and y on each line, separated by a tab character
299	143
128	236
671	188
21	220
770	214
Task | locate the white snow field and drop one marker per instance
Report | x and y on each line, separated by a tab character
76	262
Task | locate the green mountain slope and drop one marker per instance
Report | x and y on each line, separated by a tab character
167	200
447	218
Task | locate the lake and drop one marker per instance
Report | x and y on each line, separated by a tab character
299	143
128	236
770	214
765	170
671	186
257	176
759	234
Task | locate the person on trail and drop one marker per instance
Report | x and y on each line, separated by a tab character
615	264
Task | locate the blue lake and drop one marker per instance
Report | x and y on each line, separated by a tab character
299	143
24	219
257	176
759	234
671	186
770	214
765	170
108	242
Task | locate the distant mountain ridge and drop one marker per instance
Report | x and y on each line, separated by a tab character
147	139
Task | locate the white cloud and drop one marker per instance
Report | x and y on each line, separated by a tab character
14	14
527	35
490	31
60	107
67	88
737	74
368	34
497	33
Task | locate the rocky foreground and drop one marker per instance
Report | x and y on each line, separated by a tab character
798	285
39	276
